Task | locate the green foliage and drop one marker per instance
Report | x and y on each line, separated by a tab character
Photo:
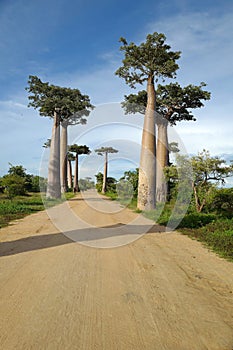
152	58
218	235
111	183
14	185
99	181
202	172
103	150
79	149
72	106
222	202
86	184
172	101
131	177
18	207
38	184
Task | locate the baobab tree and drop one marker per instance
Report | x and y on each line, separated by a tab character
70	159
78	150
105	151
174	104
77	115
58	103
148	62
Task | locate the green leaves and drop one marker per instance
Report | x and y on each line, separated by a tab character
173	102
73	106
152	58
79	149
100	151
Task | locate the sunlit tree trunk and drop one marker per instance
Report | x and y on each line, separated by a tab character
147	170
54	183
162	156
63	161
76	186
69	171
104	188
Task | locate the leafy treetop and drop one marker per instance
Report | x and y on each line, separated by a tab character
152	58
82	149
172	102
70	103
102	150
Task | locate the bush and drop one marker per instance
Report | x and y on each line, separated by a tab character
14	185
222	202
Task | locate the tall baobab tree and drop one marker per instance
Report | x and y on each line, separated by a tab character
174	104
58	103
105	151
77	115
78	150
70	159
148	62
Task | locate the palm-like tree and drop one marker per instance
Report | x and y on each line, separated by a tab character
78	150
104	151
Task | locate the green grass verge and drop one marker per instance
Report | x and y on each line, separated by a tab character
20	206
211	229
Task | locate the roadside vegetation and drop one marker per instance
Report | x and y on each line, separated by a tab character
22	194
207	216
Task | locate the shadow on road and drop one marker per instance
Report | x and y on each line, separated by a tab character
80	235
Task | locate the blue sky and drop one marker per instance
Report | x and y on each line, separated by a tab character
75	44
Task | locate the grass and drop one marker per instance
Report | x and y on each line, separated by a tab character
20	206
210	228
218	235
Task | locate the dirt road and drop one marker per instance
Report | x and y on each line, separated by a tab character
155	291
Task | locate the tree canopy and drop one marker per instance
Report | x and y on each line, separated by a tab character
71	103
152	58
102	150
173	102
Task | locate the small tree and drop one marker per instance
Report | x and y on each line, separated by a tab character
78	150
207	172
105	151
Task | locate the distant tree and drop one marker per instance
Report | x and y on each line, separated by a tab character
131	176
105	151
148	62
110	183
82	109
70	159
78	150
86	184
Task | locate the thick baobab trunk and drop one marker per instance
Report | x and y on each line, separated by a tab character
54	183
147	170
69	172
76	186
162	156
63	162
104	188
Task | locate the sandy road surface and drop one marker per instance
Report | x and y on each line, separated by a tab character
162	291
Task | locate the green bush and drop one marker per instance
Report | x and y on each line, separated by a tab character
15	185
222	202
